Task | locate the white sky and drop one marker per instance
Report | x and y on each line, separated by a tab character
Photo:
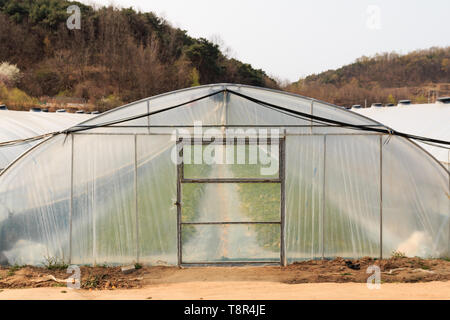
292	38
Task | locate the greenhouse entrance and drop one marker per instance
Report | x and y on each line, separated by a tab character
230	201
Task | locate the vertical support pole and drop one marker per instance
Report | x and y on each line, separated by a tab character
71	199
178	203
281	168
323	194
136	208
225	105
94	227
381	197
94	222
312	113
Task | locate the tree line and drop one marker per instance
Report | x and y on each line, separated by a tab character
118	55
384	78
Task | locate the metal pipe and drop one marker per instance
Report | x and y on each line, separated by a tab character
239	139
231	222
381	197
245	140
282	175
232	180
178	203
231	262
324	194
228	126
71	199
136	208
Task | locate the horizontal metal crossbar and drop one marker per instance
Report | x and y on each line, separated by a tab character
245	140
232	180
232	262
232	222
227	126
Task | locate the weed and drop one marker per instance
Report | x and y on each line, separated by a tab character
397	254
54	263
12	270
92	282
59	284
137	266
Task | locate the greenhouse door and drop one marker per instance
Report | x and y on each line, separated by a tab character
230	201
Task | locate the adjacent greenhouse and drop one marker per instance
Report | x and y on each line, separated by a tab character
431	120
223	174
20	125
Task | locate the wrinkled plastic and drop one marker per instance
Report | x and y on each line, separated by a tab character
18	125
109	194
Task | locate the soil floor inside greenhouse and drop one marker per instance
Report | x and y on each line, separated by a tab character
401	278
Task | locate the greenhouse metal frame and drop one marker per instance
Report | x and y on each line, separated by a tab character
278	180
343	191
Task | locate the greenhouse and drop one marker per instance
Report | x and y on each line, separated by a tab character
223	174
430	120
20	125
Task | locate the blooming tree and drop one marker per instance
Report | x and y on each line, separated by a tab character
9	74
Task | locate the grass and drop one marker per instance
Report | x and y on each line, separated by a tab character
92	282
54	263
14	97
59	285
398	254
12	270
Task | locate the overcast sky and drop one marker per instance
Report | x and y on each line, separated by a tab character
290	39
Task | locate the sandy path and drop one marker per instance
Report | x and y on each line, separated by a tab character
246	290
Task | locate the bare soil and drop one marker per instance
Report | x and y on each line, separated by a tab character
394	270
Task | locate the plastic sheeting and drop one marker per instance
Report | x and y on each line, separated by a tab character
428	120
109	194
17	125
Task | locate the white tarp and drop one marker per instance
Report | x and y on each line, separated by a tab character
17	125
428	120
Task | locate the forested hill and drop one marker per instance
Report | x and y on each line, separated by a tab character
383	78
118	55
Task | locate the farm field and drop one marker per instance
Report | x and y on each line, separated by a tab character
401	278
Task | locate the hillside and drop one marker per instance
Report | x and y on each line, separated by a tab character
118	56
385	78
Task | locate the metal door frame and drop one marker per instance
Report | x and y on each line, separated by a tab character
281	141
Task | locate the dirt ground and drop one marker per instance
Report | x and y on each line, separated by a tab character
401	278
